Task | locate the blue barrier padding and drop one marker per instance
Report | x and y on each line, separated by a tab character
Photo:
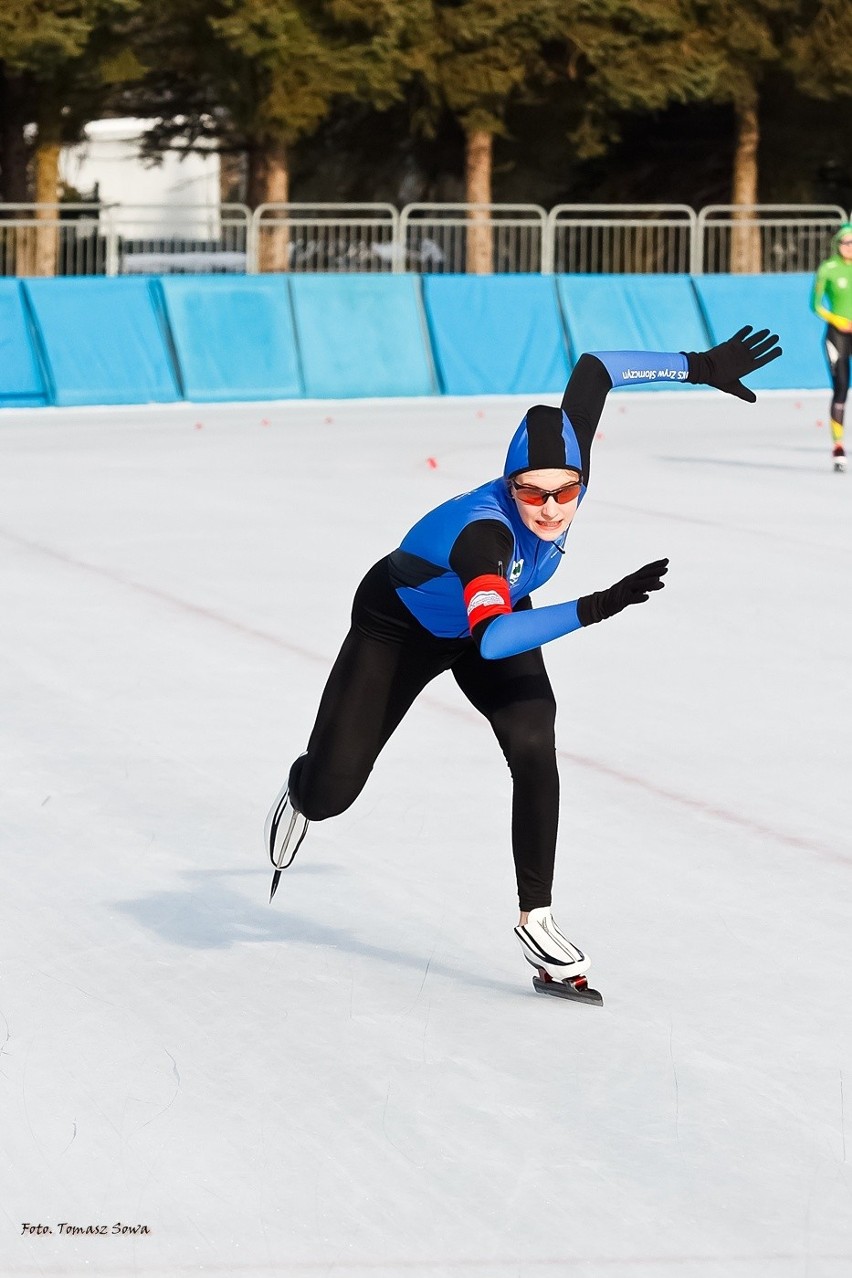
103	341
361	335
21	381
233	336
496	334
632	312
780	303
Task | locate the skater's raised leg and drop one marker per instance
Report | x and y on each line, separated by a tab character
385	662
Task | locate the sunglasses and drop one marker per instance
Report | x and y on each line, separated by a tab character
531	496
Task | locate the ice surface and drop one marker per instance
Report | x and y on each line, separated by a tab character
359	1079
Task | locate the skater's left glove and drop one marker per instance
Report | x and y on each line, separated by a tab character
634	589
723	365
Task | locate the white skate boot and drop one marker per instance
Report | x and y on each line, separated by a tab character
560	965
283	831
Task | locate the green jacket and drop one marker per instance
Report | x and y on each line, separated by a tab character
831	296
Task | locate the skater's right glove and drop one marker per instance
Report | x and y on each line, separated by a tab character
723	365
634	589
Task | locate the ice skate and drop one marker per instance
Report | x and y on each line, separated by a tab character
839	456
284	831
560	965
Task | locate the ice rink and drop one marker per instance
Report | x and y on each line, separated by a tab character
358	1080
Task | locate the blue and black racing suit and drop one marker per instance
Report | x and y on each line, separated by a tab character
455	595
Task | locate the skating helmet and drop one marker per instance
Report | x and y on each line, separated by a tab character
545	440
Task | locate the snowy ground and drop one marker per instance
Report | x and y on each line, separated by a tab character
359	1079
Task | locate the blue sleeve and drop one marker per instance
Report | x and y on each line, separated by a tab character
627	367
514	632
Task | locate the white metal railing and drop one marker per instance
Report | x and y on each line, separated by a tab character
97	239
475	238
763	238
48	239
604	238
183	238
325	237
121	239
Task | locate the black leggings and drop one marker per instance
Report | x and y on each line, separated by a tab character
386	661
838	348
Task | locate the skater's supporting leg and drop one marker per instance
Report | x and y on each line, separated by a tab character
838	347
516	697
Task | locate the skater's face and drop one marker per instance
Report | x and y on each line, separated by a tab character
845	246
553	518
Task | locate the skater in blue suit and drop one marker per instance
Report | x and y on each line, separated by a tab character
455	595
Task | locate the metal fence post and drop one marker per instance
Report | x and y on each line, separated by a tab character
548	256
696	252
251	245
111	237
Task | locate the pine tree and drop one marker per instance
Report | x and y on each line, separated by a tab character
302	58
481	56
57	66
259	75
645	55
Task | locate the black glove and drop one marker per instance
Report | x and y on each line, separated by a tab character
725	364
632	590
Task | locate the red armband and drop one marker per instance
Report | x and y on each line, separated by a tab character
485	597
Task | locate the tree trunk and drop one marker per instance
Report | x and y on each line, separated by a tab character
47	194
269	183
480	236
745	236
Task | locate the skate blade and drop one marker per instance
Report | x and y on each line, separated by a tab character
297	828
576	991
285	865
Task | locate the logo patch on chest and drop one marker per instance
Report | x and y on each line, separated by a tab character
515	571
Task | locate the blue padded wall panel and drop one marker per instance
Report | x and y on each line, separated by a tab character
361	335
233	336
496	334
632	312
103	341
21	381
780	303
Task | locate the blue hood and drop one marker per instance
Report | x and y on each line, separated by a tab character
545	440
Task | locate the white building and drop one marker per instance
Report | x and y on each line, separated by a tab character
181	194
